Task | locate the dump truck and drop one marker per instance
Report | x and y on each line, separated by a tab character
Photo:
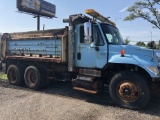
90	53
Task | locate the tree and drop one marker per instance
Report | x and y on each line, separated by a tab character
127	41
146	9
140	44
158	47
151	45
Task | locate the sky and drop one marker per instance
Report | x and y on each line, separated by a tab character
138	30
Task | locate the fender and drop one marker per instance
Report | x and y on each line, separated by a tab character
138	60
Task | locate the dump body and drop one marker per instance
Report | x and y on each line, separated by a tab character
49	45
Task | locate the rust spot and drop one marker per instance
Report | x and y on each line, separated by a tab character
31	58
127	91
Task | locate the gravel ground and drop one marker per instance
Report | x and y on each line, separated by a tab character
60	102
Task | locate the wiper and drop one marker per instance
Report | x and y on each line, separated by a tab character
111	43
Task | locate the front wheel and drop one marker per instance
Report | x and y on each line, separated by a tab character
128	89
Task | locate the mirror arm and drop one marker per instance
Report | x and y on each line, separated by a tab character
96	47
88	32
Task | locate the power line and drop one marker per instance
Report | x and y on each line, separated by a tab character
144	41
144	37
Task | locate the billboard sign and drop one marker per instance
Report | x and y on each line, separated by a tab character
37	7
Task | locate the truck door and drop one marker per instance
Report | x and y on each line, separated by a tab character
92	55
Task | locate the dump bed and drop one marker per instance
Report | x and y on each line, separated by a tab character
46	45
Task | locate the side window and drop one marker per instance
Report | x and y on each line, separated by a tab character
98	40
82	34
109	37
112	38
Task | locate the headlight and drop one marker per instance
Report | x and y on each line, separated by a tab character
153	69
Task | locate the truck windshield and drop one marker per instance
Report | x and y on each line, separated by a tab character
112	34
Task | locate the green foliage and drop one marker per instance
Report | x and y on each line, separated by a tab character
3	76
126	41
148	45
158	47
151	45
140	44
146	9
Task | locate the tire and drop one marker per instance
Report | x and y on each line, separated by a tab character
129	90
15	75
32	78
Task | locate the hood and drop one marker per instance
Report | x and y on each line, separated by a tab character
137	50
131	50
141	54
134	55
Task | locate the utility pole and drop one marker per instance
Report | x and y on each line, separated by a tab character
151	35
43	26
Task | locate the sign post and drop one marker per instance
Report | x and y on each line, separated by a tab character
38	22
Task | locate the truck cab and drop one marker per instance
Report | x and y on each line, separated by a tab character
100	54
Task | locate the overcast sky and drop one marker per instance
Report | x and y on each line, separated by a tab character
138	30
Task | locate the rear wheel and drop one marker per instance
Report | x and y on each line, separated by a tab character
32	78
15	75
128	89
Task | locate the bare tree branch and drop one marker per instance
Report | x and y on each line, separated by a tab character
138	10
154	12
150	21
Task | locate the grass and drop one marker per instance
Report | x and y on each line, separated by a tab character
3	76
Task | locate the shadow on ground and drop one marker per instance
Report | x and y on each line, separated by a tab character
64	89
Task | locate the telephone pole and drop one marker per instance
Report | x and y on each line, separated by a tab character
151	35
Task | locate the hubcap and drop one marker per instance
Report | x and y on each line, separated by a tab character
31	77
128	91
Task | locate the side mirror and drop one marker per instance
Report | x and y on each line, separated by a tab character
92	45
87	33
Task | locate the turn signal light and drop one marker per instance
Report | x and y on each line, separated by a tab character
122	53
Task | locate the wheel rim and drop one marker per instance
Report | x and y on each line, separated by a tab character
31	77
12	75
128	91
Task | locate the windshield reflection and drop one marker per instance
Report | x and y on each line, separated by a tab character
112	34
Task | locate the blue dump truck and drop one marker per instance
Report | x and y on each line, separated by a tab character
90	53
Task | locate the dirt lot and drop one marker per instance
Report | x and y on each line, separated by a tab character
60	102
